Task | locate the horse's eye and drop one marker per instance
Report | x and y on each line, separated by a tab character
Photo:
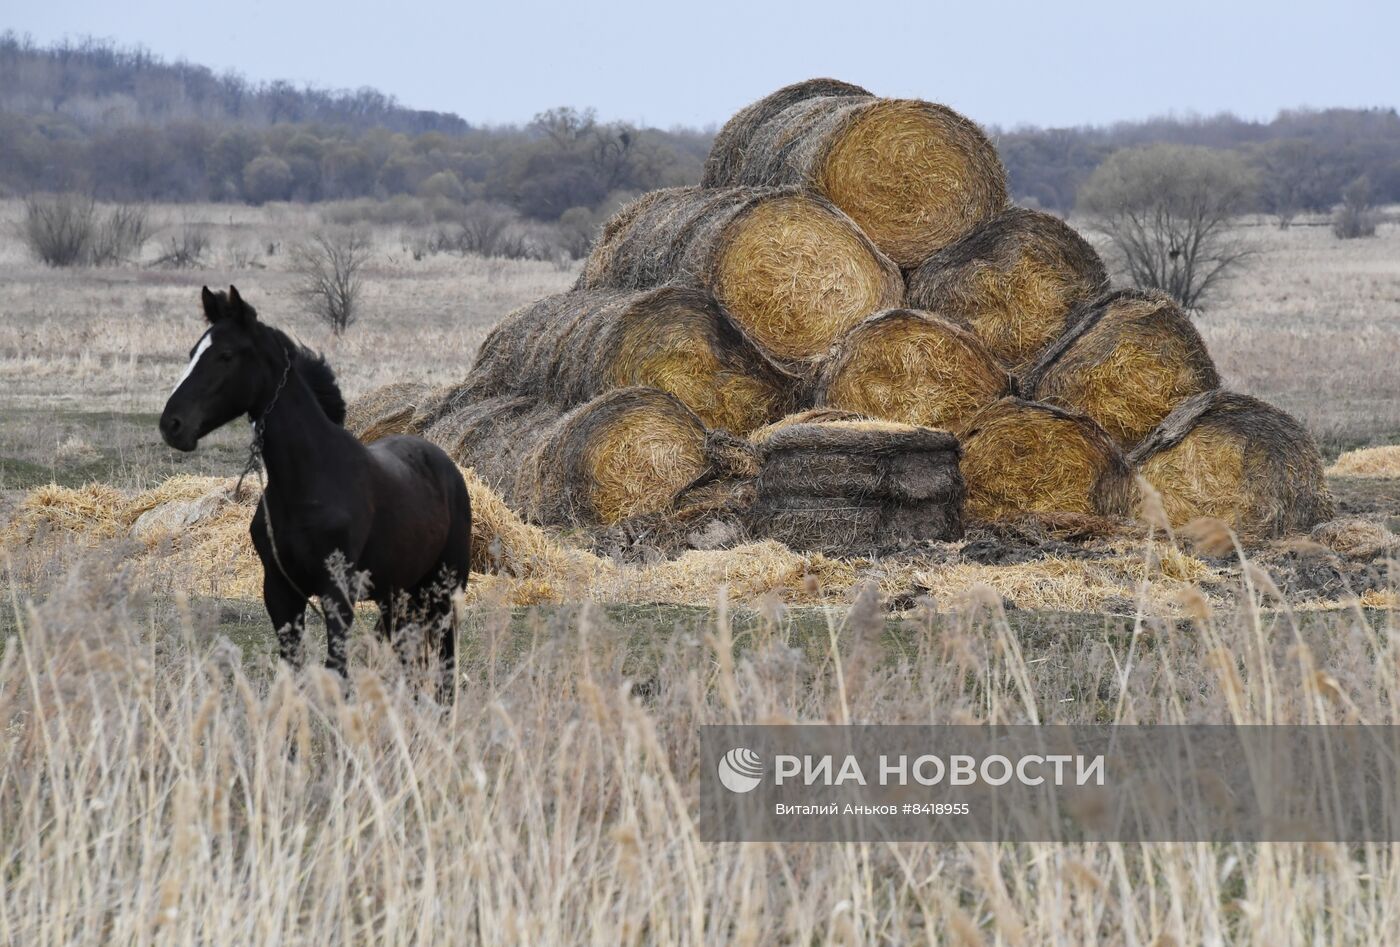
225	356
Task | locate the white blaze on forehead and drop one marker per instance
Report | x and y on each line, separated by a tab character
199	350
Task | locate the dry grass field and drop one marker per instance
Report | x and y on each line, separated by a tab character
163	781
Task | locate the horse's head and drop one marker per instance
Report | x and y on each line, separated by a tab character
233	370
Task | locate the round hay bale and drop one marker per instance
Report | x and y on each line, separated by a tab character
914	175
1238	460
1128	361
845	487
1026	457
791	269
572	347
493	436
624	454
1014	281
388	409
913	367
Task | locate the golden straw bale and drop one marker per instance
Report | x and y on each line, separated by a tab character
914	176
1132	357
1014	281
913	367
791	269
493	436
1238	460
623	454
572	347
1025	457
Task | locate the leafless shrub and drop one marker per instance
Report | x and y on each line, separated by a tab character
242	257
1168	209
329	266
489	230
516	244
58	228
1356	217
482	227
185	248
68	230
119	235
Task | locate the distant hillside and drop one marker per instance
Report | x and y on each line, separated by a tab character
98	84
1304	156
124	124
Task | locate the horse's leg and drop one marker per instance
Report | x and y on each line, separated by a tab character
446	622
340	614
452	574
287	609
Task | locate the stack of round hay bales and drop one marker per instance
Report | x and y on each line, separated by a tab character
1128	361
1026	457
780	284
1239	460
913	175
912	367
1014	281
857	487
572	347
792	270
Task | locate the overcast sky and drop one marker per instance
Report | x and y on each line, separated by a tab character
668	63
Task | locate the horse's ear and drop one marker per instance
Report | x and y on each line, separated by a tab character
212	310
238	308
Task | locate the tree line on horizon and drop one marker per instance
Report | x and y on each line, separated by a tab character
124	125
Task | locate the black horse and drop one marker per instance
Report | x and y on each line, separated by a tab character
396	510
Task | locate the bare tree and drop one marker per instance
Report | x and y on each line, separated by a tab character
329	265
1168	210
1289	177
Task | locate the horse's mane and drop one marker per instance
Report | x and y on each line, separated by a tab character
312	368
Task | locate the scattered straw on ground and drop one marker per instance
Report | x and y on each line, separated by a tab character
524	565
1119	583
1378	463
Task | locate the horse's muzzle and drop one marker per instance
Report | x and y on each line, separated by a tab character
178	433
